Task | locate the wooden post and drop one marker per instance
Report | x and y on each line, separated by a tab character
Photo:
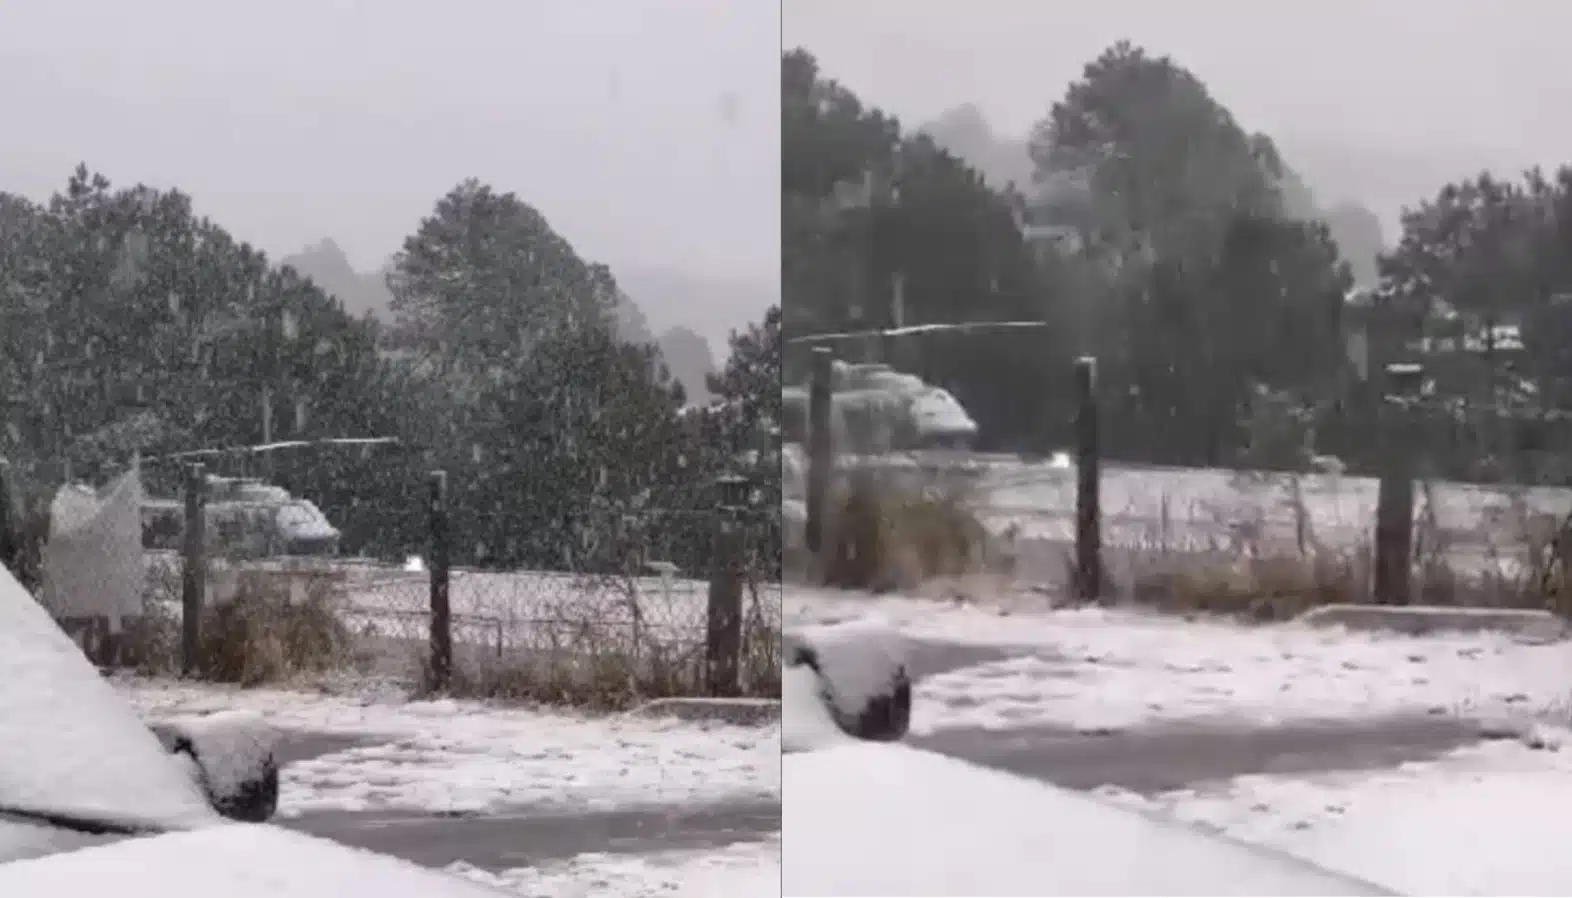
11	522
193	571
820	447
723	647
1394	537
267	433
1088	512
441	609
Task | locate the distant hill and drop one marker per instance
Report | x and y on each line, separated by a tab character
362	293
699	312
711	307
1000	159
690	360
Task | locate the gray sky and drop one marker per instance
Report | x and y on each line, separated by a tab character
647	131
1386	100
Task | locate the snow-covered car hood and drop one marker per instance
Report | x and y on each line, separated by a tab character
868	818
70	745
886	818
234	860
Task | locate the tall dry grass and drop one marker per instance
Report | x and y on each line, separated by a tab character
262	635
1248	576
889	533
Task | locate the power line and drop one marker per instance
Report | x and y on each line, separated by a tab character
915	329
263	448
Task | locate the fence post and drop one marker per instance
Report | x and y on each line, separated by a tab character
441	610
1088	470
193	571
1394	537
820	449
11	522
723	647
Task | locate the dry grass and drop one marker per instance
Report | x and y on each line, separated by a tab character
886	534
574	654
1247	578
261	636
1255	587
265	636
607	674
585	661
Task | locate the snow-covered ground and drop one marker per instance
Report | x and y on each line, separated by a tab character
1097	668
742	870
1481	820
1484	820
446	756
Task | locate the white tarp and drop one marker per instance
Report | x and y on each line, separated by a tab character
93	560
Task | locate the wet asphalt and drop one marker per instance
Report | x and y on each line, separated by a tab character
524	838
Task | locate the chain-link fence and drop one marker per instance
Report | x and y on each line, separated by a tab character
644	604
649	603
1264	543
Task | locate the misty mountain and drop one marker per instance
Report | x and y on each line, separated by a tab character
1000	159
711	307
695	314
1356	181
362	293
690	361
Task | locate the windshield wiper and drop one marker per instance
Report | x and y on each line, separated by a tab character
84	825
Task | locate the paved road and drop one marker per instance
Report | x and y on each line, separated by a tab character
1174	756
524	836
1157	759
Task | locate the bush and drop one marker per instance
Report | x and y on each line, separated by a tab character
260	636
885	534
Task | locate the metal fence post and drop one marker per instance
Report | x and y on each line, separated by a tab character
820	449
193	571
441	610
1394	536
723	647
1088	463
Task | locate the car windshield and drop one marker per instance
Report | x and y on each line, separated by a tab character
70	746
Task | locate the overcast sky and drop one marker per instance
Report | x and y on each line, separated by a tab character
1422	91
647	131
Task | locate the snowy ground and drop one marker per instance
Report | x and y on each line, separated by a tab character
517	777
743	870
1484	820
1099	669
451	756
